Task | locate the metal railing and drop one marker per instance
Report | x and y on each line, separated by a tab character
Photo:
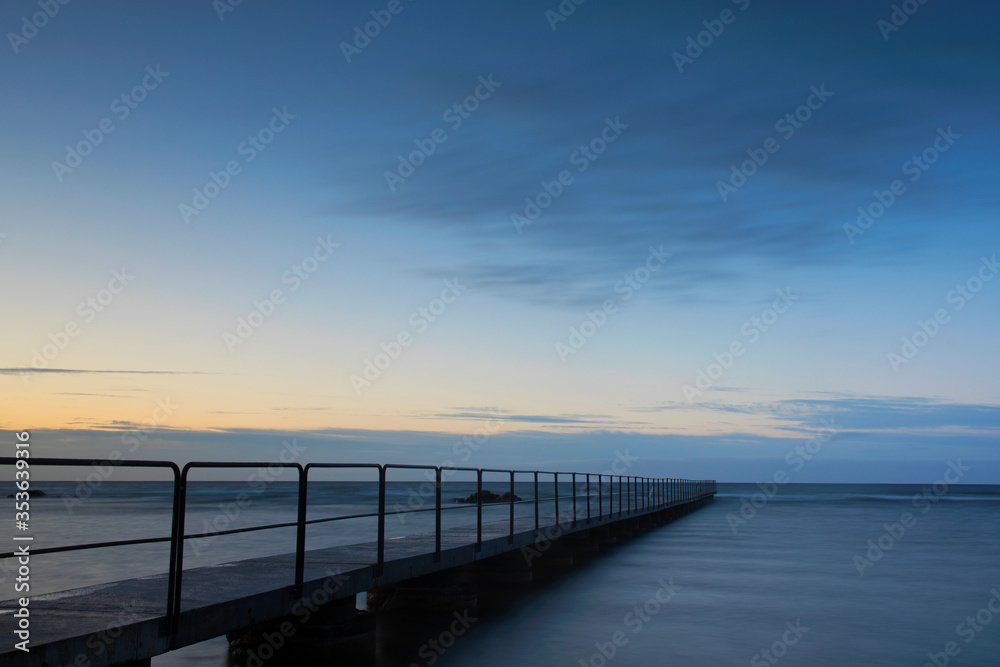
635	495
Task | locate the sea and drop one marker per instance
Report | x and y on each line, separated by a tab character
799	574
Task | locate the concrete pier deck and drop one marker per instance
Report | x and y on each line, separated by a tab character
126	622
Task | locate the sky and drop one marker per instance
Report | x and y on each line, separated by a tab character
697	237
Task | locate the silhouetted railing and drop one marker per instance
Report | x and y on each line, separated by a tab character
635	495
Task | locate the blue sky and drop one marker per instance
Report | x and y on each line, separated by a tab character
596	112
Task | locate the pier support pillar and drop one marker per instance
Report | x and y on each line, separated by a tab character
439	592
602	537
621	530
555	559
581	546
437	607
334	629
510	569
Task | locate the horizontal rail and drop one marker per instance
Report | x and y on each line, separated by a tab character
633	494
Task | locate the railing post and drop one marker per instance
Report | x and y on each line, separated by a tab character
600	496
437	514
536	501
380	564
619	496
555	476
510	540
479	510
179	569
573	483
300	532
588	497
176	538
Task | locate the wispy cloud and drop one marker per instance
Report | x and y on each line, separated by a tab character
79	371
859	413
479	414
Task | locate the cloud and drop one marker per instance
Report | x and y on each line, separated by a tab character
481	414
76	371
888	413
858	413
880	456
657	183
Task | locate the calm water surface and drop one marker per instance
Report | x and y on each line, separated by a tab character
794	581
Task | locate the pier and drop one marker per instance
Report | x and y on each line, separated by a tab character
307	597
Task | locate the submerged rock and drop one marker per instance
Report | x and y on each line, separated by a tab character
33	493
488	497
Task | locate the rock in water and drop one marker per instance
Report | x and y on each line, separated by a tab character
32	493
488	497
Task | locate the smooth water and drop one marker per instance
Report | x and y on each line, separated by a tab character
793	580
